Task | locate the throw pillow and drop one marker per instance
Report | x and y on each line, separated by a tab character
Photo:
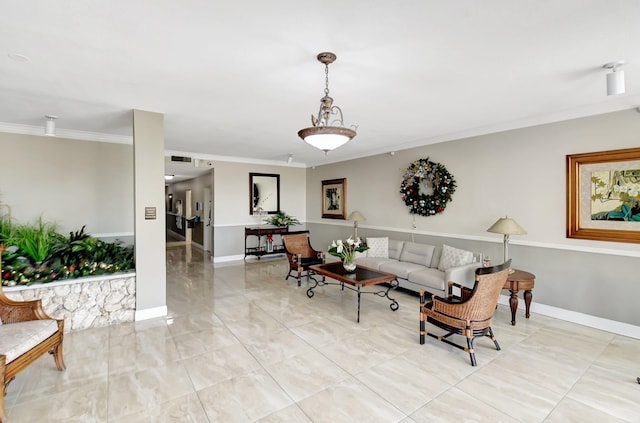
378	247
453	257
359	254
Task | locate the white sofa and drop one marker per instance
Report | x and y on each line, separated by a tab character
418	266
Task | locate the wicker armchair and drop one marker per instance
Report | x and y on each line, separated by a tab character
300	254
468	314
26	334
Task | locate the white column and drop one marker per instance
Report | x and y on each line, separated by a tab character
148	159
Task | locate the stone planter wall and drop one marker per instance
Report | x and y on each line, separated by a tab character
86	302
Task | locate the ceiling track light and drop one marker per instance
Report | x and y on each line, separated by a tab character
615	78
50	125
328	131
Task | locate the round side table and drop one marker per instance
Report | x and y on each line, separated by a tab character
516	281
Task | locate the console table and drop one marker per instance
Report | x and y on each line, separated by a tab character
519	280
260	232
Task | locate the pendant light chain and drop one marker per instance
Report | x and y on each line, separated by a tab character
326	79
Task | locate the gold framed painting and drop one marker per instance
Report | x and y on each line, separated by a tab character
603	195
334	195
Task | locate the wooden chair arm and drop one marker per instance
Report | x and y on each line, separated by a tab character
21	311
465	292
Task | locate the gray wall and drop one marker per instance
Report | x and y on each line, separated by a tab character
520	173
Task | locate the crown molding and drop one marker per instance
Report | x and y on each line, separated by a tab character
14	128
232	159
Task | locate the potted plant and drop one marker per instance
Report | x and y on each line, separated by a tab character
347	250
282	219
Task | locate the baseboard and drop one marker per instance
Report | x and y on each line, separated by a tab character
619	328
151	313
224	259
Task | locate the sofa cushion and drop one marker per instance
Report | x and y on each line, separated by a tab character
431	279
395	248
378	247
18	338
417	253
453	257
435	260
400	268
372	262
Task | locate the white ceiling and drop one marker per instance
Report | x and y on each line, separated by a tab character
240	78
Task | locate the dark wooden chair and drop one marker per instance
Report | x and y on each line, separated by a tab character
26	333
301	254
468	314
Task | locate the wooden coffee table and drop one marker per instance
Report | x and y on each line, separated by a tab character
363	276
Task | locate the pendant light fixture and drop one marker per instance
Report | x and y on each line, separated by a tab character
328	131
615	78
50	125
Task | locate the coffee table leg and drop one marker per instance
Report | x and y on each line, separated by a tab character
513	302
527	301
394	304
310	290
358	303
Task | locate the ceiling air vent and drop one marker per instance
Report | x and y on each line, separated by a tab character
181	159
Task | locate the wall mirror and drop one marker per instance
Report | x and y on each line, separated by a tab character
264	193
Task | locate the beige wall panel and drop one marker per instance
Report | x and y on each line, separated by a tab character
69	182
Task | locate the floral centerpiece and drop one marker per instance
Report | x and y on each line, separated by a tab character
346	251
282	219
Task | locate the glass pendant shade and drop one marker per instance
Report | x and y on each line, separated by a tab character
326	138
328	131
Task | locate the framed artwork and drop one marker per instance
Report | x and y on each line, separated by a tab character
603	195
334	193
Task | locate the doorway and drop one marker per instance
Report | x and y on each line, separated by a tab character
207	220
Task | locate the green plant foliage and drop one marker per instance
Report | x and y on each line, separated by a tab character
282	219
39	254
36	241
6	229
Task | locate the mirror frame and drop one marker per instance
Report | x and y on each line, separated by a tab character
251	185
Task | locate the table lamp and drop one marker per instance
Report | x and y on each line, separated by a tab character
506	226
356	217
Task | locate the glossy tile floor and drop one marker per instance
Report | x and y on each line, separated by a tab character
241	345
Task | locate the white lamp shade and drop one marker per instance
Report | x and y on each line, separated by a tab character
327	142
356	216
615	83
50	126
506	226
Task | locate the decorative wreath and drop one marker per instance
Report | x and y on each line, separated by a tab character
427	187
